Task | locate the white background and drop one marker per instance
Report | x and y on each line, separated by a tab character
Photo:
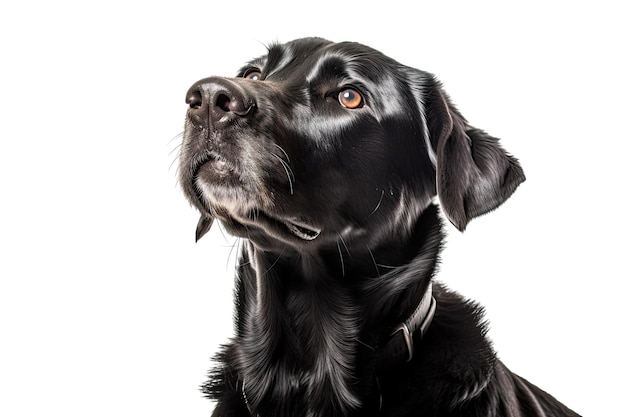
108	307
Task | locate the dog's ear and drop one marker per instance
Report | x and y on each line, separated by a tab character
474	174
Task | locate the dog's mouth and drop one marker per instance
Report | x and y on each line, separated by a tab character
217	184
298	228
304	232
277	226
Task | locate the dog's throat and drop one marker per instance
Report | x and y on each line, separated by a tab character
303	331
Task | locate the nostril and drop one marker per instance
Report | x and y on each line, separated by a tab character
194	99
233	104
223	102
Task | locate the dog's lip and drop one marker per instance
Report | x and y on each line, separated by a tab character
302	230
219	160
294	226
219	166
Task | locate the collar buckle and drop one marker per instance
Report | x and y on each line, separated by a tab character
401	344
407	336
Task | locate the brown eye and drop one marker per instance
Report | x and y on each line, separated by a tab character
254	75
350	98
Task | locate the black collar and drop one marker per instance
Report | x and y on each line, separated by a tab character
401	345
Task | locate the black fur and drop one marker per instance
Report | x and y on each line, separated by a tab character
341	235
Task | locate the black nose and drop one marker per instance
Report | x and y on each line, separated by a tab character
216	101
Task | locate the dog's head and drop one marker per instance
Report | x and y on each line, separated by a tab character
317	141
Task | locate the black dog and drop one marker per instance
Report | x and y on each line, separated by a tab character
326	159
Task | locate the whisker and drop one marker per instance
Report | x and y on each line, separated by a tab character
224	234
373	260
345	246
176	148
176	137
176	158
283	151
232	248
366	345
382	194
275	262
343	269
288	171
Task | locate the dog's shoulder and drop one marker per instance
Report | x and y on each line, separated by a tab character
456	348
457	371
454	364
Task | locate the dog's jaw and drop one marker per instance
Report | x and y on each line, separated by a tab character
234	190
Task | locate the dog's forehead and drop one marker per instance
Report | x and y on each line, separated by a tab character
309	59
351	60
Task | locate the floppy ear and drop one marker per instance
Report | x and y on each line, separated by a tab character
474	174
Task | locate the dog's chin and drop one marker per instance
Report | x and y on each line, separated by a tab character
243	216
244	206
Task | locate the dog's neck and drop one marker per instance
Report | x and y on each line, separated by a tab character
304	325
